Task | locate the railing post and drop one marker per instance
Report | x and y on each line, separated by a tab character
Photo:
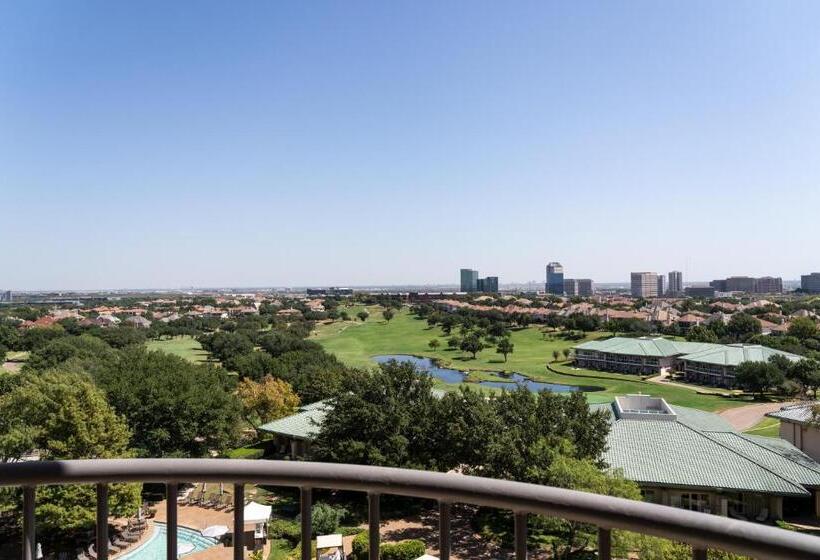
171	490
102	521
239	521
305	512
520	536
373	519
604	544
699	553
29	537
444	531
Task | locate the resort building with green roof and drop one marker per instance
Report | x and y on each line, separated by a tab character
695	460
701	362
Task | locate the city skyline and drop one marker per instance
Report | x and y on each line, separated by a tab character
276	145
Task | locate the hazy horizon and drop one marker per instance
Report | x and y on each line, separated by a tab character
372	144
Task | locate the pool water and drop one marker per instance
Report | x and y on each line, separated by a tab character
154	548
505	381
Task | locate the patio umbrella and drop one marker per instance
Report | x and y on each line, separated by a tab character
214	531
184	548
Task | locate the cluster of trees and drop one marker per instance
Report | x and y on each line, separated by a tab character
99	393
392	418
476	331
802	336
780	374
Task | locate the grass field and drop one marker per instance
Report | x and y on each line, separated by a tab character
184	347
355	343
768	427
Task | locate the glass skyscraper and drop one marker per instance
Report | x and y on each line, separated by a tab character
555	279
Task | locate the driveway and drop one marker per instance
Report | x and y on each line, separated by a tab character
744	417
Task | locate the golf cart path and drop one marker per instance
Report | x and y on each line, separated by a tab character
744	417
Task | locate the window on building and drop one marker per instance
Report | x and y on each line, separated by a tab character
692	501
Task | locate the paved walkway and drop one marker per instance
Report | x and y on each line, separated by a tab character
744	417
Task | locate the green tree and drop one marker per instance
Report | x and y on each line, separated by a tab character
505	346
266	400
701	333
743	326
757	377
325	519
63	415
384	420
388	314
555	355
60	350
453	342
3	352
174	407
363	315
472	344
434	344
802	328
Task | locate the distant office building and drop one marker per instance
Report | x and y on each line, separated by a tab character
469	280
719	285
570	287
661	290
585	288
6	296
644	284
555	279
488	284
701	291
749	285
810	283
675	284
769	285
741	284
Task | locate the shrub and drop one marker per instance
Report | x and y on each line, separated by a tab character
360	547
246	453
284	529
404	550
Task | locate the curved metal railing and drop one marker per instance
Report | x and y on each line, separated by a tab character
700	530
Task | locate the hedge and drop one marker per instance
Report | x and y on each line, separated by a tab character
404	550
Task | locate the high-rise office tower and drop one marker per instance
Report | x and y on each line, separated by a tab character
675	285
555	279
469	280
661	290
644	284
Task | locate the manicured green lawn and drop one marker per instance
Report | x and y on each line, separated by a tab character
183	346
355	343
768	427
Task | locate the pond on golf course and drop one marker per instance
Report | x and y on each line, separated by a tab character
505	380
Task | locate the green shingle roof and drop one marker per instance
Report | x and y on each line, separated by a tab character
734	354
304	425
701	450
645	346
673	454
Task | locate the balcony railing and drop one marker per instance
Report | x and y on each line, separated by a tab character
701	531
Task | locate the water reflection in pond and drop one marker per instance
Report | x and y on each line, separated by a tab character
505	381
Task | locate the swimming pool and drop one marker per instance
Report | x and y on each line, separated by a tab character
154	548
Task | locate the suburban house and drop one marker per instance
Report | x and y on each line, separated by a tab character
702	362
798	427
695	460
138	321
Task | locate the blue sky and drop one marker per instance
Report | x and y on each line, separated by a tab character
305	143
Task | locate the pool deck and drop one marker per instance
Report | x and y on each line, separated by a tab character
197	518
